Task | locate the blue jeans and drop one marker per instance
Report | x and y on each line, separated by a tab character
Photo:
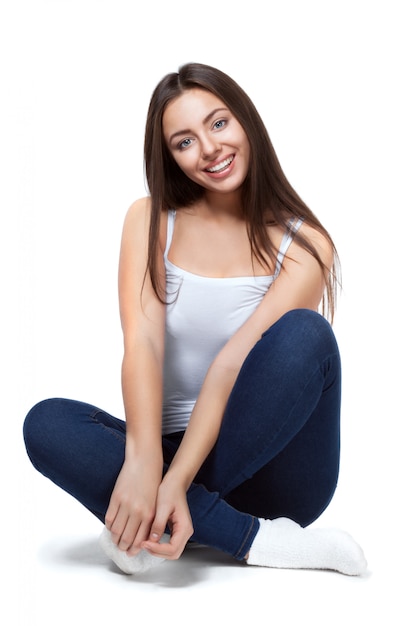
277	453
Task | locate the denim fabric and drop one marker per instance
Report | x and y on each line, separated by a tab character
277	453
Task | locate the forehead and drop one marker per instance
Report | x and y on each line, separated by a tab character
192	106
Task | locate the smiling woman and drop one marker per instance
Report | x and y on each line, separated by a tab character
231	377
214	147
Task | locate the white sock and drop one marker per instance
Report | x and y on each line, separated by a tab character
282	543
138	564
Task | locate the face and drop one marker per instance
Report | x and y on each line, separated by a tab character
207	141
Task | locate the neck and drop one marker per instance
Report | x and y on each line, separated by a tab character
223	204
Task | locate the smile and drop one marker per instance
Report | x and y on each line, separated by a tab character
220	166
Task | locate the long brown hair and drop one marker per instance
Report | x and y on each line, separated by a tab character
267	195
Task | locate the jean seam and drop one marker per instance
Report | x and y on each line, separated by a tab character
238	555
109	430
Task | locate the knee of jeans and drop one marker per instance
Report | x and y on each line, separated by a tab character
299	324
300	337
36	423
301	317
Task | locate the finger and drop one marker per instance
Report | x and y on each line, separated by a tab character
141	535
111	514
117	526
129	534
168	550
174	547
159	525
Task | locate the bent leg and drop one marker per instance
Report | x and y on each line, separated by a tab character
288	378
81	449
278	449
77	446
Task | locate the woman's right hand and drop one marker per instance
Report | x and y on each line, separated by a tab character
133	503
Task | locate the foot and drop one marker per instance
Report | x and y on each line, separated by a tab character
282	543
138	564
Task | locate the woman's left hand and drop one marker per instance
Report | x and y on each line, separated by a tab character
172	511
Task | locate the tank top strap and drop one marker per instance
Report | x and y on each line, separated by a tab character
170	230
292	227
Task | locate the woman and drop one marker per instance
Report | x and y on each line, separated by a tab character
230	376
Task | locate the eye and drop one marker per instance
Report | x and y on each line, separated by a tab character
184	144
219	124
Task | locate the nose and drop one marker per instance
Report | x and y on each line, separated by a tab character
209	147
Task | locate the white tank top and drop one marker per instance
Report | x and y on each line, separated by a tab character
202	314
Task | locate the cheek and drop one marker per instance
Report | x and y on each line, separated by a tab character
245	142
185	161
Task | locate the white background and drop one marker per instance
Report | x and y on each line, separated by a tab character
335	83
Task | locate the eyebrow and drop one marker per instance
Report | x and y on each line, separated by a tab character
205	120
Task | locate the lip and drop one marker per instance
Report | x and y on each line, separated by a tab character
224	171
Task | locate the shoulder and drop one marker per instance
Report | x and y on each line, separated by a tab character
137	223
320	242
135	232
139	211
306	236
136	303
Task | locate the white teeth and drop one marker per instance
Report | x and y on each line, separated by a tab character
220	166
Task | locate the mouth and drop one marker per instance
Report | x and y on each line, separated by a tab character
220	167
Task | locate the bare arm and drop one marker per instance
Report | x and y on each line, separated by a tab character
132	505
143	323
299	285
